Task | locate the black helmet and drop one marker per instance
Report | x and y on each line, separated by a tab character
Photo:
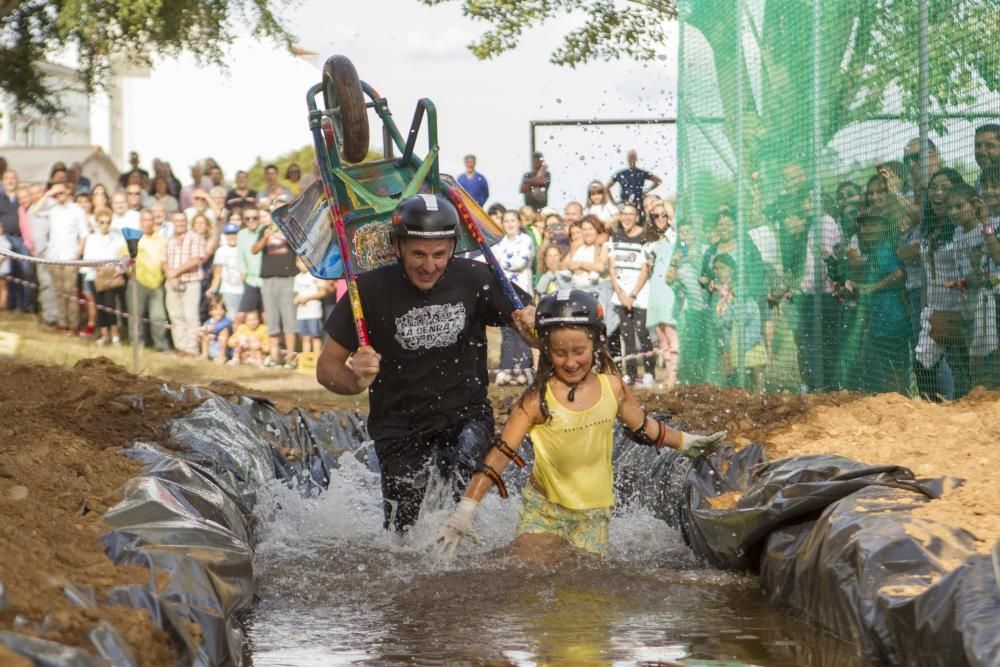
569	308
425	217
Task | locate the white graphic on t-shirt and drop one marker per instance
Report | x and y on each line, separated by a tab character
430	326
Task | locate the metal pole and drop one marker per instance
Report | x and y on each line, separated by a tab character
817	202
133	321
924	102
740	199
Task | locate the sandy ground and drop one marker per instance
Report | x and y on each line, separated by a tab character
62	422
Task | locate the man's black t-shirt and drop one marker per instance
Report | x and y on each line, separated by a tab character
631	181
433	345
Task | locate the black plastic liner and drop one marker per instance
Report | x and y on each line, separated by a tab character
188	515
836	543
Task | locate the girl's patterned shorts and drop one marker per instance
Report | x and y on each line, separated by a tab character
584	529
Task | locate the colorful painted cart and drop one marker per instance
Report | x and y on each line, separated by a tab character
340	224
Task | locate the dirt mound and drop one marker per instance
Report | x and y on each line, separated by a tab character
933	440
745	416
60	430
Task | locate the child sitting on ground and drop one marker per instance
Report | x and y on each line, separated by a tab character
215	332
569	412
249	342
308	298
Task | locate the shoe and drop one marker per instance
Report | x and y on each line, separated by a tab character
503	378
115	340
103	341
268	363
87	332
233	362
627	379
520	379
648	380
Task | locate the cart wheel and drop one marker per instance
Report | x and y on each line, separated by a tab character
342	88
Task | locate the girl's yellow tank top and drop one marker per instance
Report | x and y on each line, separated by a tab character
573	451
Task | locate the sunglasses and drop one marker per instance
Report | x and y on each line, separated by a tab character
250	218
911	157
660	216
134	192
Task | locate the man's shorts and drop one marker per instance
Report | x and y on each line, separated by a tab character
586	530
251	300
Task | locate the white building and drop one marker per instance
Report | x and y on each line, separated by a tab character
93	126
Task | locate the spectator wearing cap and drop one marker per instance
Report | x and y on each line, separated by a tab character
473	182
227	282
535	184
249	264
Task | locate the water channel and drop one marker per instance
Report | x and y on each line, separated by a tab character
335	588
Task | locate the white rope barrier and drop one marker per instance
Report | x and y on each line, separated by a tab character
88	263
163	323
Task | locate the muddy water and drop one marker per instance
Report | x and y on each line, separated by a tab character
335	588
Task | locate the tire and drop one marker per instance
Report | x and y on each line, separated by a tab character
342	88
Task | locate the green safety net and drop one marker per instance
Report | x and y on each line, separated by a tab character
812	256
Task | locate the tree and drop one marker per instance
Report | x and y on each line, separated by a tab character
630	29
305	157
104	31
869	55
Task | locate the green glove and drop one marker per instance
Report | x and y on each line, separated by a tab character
694	446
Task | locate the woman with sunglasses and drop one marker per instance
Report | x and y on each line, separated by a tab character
661	239
103	244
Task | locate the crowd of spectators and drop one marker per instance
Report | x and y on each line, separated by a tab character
214	275
889	285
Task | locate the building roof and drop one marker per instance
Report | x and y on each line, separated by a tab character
33	163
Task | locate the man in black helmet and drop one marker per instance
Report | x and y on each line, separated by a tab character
425	370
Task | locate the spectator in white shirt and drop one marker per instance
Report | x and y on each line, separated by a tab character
123	216
67	232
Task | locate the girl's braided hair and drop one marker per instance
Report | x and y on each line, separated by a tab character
602	362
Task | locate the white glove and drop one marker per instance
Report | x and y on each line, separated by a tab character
699	445
457	526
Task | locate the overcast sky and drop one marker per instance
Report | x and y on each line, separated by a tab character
406	51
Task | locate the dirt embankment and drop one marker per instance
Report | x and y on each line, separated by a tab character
60	430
